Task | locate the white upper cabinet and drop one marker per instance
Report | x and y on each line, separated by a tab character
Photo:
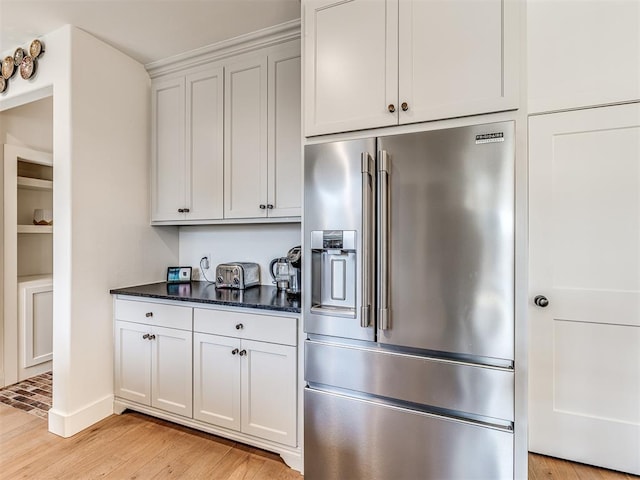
284	168
245	185
187	146
226	138
582	54
263	155
168	175
375	63
350	64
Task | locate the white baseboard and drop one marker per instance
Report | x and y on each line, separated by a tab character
68	424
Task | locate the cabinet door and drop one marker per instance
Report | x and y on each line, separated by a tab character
245	156
216	377
269	391
285	150
205	119
457	58
350	71
133	362
569	66
168	178
171	370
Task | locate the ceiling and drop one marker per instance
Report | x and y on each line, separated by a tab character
146	30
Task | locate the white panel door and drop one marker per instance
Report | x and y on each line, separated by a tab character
171	370
216	380
457	58
245	156
133	362
168	178
285	150
351	64
269	391
205	144
582	53
584	383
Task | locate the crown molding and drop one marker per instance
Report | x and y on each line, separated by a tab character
227	48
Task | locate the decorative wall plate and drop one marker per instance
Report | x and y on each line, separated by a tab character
18	56
8	68
27	67
36	49
3	84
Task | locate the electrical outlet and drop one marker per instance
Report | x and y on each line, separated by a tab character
205	261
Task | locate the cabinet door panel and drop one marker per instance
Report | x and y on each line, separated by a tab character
245	157
269	391
167	149
133	362
216	385
285	150
350	64
457	57
205	118
171	370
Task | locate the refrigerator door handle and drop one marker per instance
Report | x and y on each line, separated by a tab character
368	186
383	243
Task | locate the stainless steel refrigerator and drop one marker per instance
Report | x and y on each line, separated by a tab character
409	306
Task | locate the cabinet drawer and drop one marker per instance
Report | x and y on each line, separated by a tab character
264	328
171	316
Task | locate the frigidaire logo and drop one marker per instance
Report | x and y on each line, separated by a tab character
490	138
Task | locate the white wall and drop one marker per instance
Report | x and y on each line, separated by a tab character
102	237
29	125
229	243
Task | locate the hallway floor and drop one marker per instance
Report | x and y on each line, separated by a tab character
32	395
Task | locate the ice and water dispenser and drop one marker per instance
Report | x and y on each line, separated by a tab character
333	272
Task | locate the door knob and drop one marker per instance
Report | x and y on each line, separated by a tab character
541	301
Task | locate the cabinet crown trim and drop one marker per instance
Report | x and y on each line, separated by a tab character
246	43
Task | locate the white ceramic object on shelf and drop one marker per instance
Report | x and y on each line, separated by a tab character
42	217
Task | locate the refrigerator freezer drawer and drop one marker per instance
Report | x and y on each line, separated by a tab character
357	439
473	389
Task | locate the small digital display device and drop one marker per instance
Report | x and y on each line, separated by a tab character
178	274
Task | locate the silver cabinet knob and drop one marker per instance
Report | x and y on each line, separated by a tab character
541	301
186	210
239	326
234	351
145	336
269	206
391	108
262	206
404	106
148	314
181	210
152	337
243	353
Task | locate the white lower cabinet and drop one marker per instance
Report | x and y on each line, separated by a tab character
246	385
228	372
153	366
242	383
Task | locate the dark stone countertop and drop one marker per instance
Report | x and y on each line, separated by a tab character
264	297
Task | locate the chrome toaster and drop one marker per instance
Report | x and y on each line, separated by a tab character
239	275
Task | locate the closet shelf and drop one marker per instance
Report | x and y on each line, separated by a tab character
34	183
35	229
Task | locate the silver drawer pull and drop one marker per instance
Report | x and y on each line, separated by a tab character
148	314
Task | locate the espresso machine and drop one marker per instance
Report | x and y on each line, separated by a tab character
286	271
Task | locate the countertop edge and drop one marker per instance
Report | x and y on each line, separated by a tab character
137	291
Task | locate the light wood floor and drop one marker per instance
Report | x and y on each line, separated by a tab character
135	446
